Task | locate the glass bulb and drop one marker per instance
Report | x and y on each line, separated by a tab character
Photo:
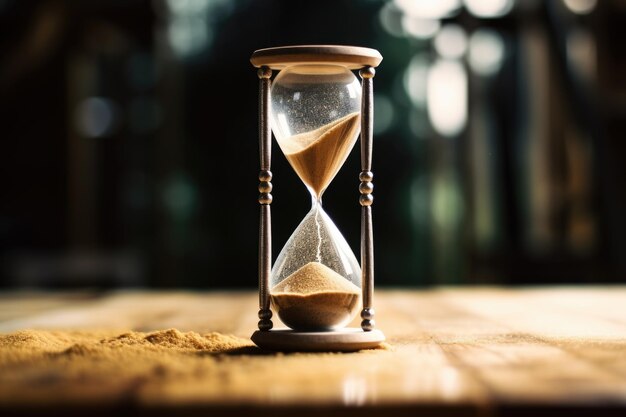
321	104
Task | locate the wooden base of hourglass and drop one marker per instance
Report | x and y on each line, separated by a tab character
340	340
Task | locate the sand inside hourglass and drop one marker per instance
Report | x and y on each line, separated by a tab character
315	298
316	156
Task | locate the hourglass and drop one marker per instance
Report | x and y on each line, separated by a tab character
316	108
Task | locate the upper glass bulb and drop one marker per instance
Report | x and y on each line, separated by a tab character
316	120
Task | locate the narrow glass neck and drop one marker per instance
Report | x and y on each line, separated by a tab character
316	200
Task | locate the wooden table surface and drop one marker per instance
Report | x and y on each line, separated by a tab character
482	351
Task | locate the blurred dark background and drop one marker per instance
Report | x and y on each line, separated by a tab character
129	150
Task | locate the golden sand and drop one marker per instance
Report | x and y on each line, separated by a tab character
94	368
317	156
315	298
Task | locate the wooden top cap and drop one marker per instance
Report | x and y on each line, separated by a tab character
351	57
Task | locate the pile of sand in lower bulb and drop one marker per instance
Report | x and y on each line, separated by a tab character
315	298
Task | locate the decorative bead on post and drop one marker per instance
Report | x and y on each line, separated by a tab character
265	199
366	187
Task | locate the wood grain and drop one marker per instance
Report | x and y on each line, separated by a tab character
486	351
